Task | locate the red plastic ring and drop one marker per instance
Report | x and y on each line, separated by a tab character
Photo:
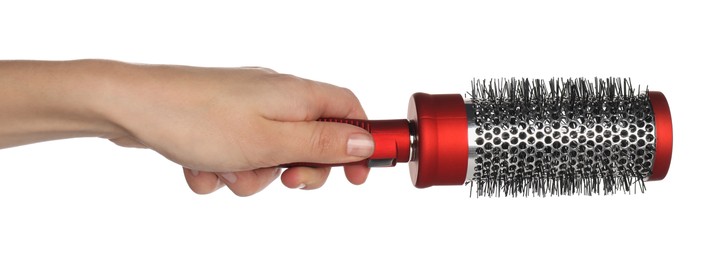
441	147
663	135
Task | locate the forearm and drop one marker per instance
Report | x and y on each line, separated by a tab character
41	101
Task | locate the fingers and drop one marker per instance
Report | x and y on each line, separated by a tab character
202	182
300	139
305	178
250	182
288	133
313	178
247	183
241	183
356	174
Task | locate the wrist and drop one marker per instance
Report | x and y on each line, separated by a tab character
44	101
92	100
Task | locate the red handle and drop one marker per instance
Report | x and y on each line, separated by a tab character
391	139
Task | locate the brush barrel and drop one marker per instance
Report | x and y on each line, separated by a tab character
566	137
547	143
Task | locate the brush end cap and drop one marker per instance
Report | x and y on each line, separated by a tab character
663	135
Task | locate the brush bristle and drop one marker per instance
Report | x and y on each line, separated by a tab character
560	137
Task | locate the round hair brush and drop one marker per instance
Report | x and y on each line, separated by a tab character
530	137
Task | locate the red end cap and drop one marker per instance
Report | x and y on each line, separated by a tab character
440	156
663	135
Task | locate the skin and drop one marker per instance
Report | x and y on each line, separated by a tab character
225	126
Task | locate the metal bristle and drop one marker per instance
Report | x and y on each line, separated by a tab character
560	137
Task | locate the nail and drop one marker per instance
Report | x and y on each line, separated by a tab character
301	186
194	172
360	145
229	177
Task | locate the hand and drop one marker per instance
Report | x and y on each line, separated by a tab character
224	125
234	125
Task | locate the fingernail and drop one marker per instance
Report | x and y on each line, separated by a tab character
301	186
229	177
194	172
360	145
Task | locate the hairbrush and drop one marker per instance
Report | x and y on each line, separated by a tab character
527	137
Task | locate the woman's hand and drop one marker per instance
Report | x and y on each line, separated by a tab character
223	125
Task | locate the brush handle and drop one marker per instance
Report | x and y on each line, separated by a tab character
391	142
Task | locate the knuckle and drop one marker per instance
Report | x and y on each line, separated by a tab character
258	69
268	70
290	85
348	92
322	140
294	86
353	101
284	79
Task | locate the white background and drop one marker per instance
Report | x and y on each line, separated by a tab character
88	199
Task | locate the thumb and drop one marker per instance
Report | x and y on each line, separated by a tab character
322	142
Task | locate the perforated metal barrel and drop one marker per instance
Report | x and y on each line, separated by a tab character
565	137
